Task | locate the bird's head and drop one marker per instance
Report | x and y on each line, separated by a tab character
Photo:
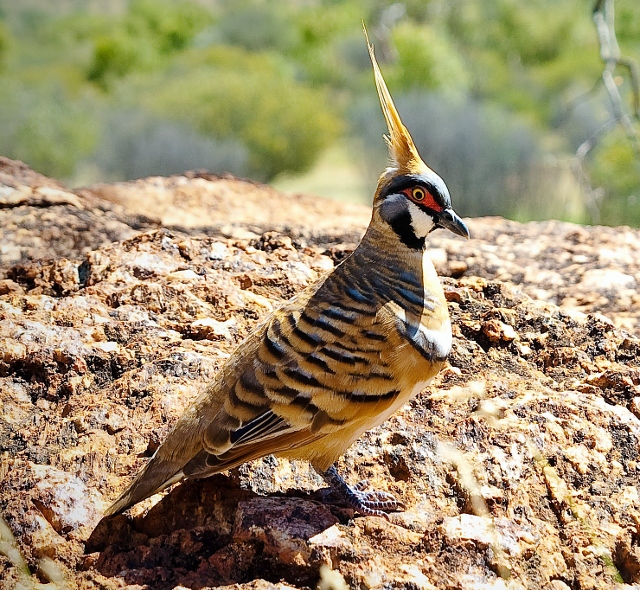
410	197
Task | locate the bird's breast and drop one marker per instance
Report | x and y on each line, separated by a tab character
418	312
429	336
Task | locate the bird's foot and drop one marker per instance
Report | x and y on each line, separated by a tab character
366	502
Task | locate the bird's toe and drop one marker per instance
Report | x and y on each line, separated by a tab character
379	500
362	500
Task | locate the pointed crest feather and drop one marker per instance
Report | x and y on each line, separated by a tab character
402	150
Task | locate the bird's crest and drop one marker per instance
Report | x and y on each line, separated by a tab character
404	155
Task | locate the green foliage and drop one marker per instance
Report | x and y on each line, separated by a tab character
321	24
172	24
149	31
5	43
524	54
331	49
262	87
628	23
266	27
616	169
235	94
518	29
426	59
136	144
44	127
484	153
116	56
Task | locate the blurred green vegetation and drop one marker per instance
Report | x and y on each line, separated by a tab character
150	32
4	43
251	97
125	88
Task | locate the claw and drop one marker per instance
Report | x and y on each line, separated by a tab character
366	502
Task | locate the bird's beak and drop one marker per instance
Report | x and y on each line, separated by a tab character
448	219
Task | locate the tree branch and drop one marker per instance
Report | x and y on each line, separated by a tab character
604	21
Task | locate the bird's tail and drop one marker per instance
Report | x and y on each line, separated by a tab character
154	478
167	466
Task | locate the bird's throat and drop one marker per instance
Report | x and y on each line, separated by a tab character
402	225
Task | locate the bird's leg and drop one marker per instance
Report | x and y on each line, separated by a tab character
367	503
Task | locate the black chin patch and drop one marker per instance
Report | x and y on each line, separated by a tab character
402	226
396	213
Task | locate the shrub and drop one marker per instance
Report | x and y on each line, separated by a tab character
172	24
134	145
615	167
264	27
143	37
426	59
5	43
231	94
44	127
115	56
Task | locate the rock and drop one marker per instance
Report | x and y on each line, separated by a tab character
212	329
331	580
605	279
41	219
65	501
518	465
497	331
284	527
233	208
591	269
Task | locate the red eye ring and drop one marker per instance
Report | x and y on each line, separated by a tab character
418	194
421	196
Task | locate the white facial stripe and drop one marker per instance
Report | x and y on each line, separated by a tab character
421	222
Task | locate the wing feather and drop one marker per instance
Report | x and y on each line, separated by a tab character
261	428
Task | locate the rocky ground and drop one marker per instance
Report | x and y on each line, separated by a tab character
118	302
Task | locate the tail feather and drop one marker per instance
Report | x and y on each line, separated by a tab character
167	465
152	479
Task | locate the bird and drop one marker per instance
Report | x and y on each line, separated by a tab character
337	359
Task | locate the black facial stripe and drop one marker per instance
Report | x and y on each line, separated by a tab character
400	183
401	224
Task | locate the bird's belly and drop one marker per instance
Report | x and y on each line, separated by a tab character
400	401
324	452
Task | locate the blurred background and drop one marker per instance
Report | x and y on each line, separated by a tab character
499	95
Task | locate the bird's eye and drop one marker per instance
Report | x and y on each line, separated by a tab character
418	194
